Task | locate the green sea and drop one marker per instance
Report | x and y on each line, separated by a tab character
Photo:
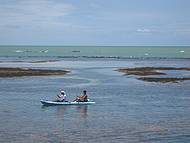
97	51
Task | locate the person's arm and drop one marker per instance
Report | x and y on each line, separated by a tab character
86	98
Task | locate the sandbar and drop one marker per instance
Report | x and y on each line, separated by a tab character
145	71
18	72
150	71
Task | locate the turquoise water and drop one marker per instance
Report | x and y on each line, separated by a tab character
97	51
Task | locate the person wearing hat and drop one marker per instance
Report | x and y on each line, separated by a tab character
82	98
61	97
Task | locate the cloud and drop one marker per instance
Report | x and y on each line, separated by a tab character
144	30
33	12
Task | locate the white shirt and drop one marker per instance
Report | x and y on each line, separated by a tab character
62	97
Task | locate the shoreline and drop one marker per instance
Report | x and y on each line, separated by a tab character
19	72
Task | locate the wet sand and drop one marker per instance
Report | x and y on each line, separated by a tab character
147	71
18	72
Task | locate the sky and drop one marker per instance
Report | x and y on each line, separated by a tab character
95	22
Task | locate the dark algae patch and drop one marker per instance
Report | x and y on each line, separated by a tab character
140	71
162	80
17	72
147	71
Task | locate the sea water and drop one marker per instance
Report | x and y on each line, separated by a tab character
97	51
126	109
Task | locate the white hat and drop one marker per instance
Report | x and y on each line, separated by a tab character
62	91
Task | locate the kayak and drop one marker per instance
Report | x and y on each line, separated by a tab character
46	102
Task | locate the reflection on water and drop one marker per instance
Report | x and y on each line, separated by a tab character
61	110
83	110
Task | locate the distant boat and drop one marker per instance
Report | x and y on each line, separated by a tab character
76	51
44	51
27	51
19	51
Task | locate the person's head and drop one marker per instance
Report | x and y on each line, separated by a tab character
84	92
62	92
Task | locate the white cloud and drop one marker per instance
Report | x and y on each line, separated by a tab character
33	12
144	30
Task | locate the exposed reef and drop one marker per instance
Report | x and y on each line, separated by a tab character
18	72
143	72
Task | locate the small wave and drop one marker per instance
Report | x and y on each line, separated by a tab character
76	51
181	51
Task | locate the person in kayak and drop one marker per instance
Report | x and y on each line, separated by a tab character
61	97
82	98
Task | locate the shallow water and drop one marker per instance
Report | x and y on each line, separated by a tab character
126	109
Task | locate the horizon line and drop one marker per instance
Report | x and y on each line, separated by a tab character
98	45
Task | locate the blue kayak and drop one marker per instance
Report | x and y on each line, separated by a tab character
46	102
